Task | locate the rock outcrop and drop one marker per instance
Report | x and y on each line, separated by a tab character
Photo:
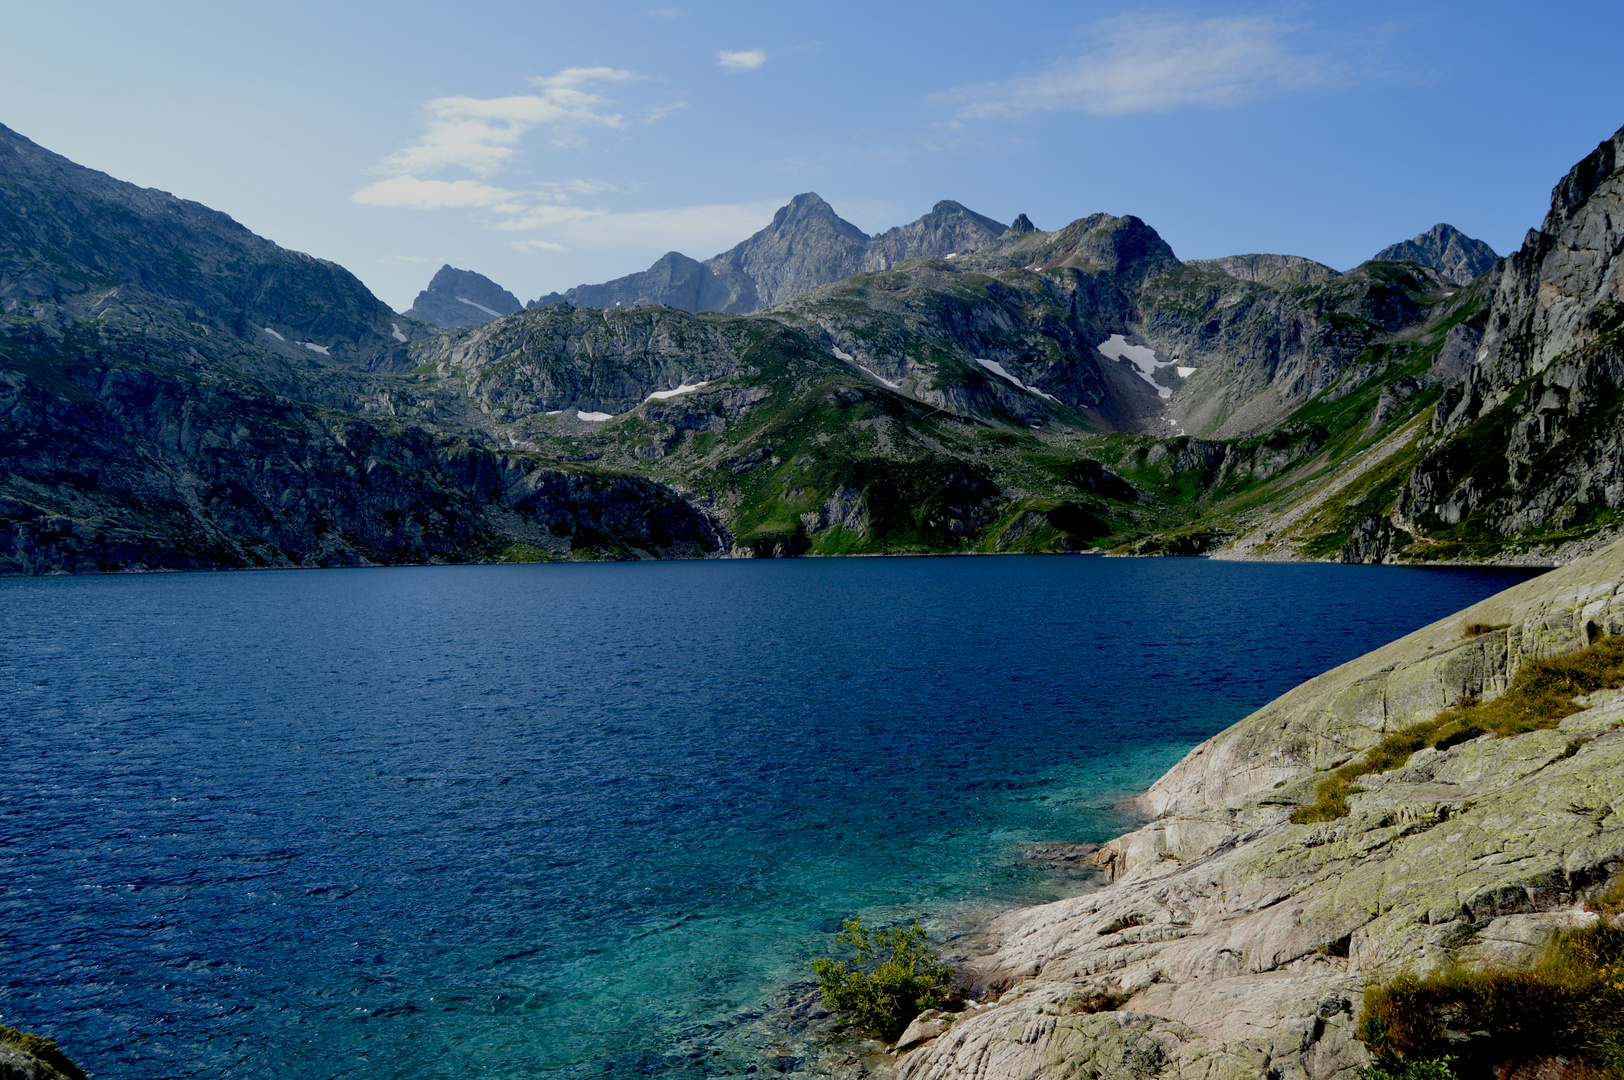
1243	941
457	298
1457	257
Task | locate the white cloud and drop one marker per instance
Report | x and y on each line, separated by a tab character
546	216
530	247
570	78
747	60
697	230
1142	64
482	134
408	191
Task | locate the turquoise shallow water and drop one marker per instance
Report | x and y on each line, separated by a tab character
577	820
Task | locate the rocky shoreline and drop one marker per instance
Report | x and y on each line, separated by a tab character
1237	943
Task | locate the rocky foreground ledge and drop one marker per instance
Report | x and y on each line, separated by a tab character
1243	942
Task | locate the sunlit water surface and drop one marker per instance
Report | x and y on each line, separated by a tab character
578	820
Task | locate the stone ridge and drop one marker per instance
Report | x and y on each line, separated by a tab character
1457	257
458	298
1268	269
805	246
1244	941
674	280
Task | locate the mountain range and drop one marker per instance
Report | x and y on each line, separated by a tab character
177	392
806	245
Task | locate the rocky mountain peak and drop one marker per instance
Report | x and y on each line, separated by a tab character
950	228
1457	257
1022	224
807	245
457	298
809	210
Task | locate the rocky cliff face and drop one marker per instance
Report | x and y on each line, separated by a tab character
1457	257
1529	442
1231	942
457	298
113	463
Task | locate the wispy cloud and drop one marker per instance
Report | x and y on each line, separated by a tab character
746	60
1142	64
697	230
482	134
409	191
662	13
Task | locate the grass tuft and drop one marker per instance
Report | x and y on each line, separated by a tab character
1539	697
1568	1001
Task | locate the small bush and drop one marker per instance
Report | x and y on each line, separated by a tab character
1095	1003
44	1049
1569	1002
1477	629
1539	697
1423	1069
1610	901
896	975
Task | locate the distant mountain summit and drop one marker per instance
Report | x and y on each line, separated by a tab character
805	246
457	298
1457	257
949	229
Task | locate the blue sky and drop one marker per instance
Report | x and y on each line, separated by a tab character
548	144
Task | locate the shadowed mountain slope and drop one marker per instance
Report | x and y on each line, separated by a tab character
76	238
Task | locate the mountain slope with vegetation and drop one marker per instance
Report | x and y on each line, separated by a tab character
177	392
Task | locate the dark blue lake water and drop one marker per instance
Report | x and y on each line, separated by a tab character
577	820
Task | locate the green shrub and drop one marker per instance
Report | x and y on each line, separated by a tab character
44	1049
1422	1069
1569	1002
896	974
1539	697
